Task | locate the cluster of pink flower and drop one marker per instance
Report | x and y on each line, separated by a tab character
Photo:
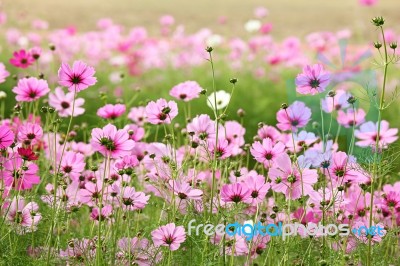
293	158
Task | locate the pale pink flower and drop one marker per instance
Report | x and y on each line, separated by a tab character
295	116
186	91
63	102
368	134
351	118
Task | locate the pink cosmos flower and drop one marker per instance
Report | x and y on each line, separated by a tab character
167	20
62	102
337	102
18	174
91	193
313	80
234	133
344	169
295	116
266	152
30	89
22	59
269	132
351	118
184	191
72	165
77	78
236	193
136	133
6	137
111	142
110	111
186	91
133	200
30	134
169	236
367	2
3	73
24	216
202	127
105	214
138	115
368	134
287	179
222	149
161	112
257	188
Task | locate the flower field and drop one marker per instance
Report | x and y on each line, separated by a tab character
143	145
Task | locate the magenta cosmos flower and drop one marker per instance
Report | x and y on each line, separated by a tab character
169	236
111	111
22	59
368	134
6	137
111	142
287	179
77	78
267	151
313	80
19	174
63	102
30	89
186	91
161	112
236	193
295	116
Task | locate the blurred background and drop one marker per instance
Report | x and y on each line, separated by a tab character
289	17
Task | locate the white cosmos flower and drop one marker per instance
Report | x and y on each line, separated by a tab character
223	99
252	25
214	40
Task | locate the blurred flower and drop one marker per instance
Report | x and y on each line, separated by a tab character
252	25
3	73
111	111
351	118
368	134
6	137
22	59
186	91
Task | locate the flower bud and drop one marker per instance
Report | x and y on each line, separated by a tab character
393	45
284	105
233	80
377	45
378	21
209	49
241	112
